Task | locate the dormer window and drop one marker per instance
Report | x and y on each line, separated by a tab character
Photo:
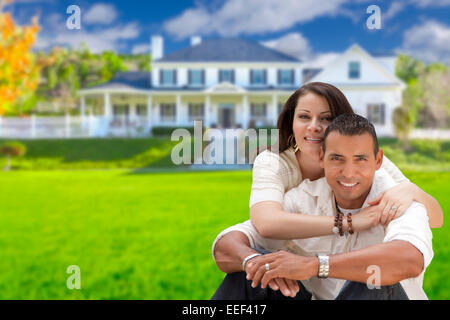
258	77
354	70
168	77
226	76
196	77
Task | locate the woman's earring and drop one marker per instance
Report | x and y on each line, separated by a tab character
292	143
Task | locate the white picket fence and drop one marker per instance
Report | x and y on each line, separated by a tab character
34	127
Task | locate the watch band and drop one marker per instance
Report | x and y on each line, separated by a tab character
324	266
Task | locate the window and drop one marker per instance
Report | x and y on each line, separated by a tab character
285	77
376	113
258	110
167	112
226	76
280	107
141	110
168	77
258	77
354	70
196	111
196	77
121	110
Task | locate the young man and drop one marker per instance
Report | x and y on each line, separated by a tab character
394	258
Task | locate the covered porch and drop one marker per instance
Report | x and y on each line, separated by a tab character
126	111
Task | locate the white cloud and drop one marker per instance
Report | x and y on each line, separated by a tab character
141	48
428	41
321	60
100	14
293	44
395	8
55	33
236	17
431	3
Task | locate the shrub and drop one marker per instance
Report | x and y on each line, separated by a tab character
167	131
12	149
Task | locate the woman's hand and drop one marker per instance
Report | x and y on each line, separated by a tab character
369	217
395	201
282	264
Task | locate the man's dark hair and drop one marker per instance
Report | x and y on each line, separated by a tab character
352	125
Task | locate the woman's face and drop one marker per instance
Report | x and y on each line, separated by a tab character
311	118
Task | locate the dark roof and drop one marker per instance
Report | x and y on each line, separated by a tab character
128	80
228	50
309	73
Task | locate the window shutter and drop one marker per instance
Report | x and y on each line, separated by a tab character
203	77
220	76
382	113
174	77
251	76
264	76
279	76
161	80
292	76
189	77
232	76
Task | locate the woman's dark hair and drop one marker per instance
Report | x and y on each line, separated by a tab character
337	102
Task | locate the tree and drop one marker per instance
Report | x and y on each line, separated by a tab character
10	150
435	83
403	124
19	71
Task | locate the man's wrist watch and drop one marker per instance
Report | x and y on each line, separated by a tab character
324	266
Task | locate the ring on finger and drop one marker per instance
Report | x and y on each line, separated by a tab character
393	208
267	267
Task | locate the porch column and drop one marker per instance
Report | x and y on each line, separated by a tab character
178	110
207	119
246	112
149	113
107	111
83	111
273	116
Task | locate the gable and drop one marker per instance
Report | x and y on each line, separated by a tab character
372	72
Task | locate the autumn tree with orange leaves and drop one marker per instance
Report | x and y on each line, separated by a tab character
19	71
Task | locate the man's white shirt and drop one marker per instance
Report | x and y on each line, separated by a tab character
316	198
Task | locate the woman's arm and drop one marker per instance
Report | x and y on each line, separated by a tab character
271	221
401	196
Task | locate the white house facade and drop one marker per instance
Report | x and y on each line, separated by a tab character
229	83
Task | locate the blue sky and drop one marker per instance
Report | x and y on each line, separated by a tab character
313	30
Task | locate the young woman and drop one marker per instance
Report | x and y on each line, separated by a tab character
302	124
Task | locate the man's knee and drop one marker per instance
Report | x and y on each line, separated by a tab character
360	291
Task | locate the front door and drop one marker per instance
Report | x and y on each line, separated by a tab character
226	116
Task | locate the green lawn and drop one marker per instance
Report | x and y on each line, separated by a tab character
138	235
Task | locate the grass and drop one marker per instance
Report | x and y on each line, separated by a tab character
72	154
85	154
137	235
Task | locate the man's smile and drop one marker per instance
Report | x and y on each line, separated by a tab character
348	185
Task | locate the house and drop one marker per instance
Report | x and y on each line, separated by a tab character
229	83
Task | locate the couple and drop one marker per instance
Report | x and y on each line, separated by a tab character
390	235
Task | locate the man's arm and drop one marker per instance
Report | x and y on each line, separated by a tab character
397	260
231	250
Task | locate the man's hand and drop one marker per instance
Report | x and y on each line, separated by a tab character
288	287
282	264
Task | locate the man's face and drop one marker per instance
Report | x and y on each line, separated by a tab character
350	164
